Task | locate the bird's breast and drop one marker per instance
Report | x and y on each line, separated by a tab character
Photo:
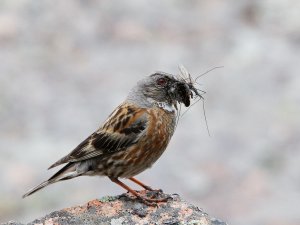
142	154
150	147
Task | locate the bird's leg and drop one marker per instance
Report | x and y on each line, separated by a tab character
146	187
153	192
147	201
140	184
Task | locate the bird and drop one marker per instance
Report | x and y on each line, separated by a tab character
131	139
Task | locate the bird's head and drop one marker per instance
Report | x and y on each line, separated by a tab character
161	88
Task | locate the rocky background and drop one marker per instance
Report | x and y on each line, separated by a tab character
65	65
125	209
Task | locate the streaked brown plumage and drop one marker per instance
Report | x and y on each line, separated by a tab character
132	138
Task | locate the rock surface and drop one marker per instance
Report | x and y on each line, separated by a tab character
125	209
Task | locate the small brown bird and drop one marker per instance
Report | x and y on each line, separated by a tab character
132	138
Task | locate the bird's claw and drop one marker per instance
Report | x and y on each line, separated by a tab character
152	201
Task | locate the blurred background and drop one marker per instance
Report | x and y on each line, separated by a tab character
65	65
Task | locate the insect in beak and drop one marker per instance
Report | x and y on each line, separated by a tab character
184	93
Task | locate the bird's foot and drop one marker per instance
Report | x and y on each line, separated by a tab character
151	198
152	201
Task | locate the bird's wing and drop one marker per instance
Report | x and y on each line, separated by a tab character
123	128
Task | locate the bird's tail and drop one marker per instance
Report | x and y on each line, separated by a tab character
67	172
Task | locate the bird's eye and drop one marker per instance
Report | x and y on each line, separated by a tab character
161	81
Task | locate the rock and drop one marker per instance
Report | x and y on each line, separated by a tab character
125	209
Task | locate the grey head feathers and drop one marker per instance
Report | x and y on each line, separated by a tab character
153	89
